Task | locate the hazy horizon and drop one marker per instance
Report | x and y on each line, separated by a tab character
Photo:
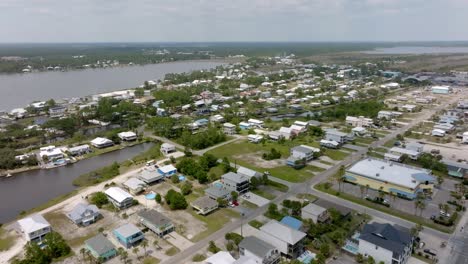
181	21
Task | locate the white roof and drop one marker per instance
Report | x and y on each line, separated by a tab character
100	141
255	121
286	130
282	232
167	146
127	134
50	152
33	223
118	194
222	257
404	151
167	168
300	123
134	183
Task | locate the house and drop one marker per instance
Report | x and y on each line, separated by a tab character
456	169
128	235
218	191
438	133
244	125
217	119
222	257
465	138
134	185
358	121
255	123
84	214
248	172
51	153
167	148
127	136
156	222
412	154
229	129
296	130
286	132
441	89
57	111
315	213
402	180
359	131
79	150
100	142
408	108
167	170
388	115
329	144
254	138
119	198
204	205
444	126
100	247
292	222
34	227
275	135
304	152
415	146
391	244
236	182
202	122
337	136
288	241
259	251
150	175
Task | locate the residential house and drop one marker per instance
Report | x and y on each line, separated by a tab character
343	210
248	172
254	138
222	257
57	111
465	138
34	227
338	136
127	136
167	148
444	126
289	241
167	170
275	135
286	132
134	185
119	198
236	182
229	129
408	108
402	180
438	133
51	153
304	152
255	123
259	251
79	150
84	214
244	126
359	131
100	142
387	243
415	146
156	222
329	144
292	222
315	213
388	115
456	169
100	247
441	89
218	191
150	175
204	205
128	235
359	121
398	152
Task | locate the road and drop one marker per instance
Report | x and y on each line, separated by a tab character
307	187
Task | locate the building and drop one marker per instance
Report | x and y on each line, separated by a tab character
286	132
150	175
304	152
100	142
444	126
222	257
315	213
259	251
134	185
359	121
167	148
456	169
100	247
248	172
254	138
255	123
79	150
359	131
218	191
387	243
34	227
465	138
441	89
388	115
229	129
57	111
51	153
84	214
204	205
127	136
119	198
244	125
287	240
236	182
167	170
438	133
399	152
292	222
402	180
128	235
156	222
337	136
329	144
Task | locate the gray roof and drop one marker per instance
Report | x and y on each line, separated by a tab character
455	164
100	244
128	230
204	202
302	149
336	132
217	191
154	217
313	209
150	175
326	204
234	177
394	238
80	209
248	172
283	232
257	246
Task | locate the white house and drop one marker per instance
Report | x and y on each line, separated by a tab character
254	138
119	198
438	133
338	136
229	129
258	251
444	89
100	142
304	152
51	153
134	185
329	144
34	227
255	123
222	257
167	148
287	240
359	121
79	150
127	136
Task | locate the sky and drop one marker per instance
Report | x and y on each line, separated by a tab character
232	20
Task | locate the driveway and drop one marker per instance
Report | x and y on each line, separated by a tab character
255	199
178	241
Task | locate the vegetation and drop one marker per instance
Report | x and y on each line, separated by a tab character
273	154
175	200
98	176
198	170
56	248
368	108
99	199
203	139
198	258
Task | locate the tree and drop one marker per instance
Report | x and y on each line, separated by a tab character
226	165
212	247
235	195
175	179
222	202
362	189
135	251
186	188
144	245
158	198
175	200
156	244
254	183
83	254
325	249
99	199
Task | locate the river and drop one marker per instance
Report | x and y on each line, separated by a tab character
30	189
18	90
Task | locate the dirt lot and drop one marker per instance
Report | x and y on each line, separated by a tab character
255	158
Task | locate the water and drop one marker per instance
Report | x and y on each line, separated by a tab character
30	189
18	90
418	50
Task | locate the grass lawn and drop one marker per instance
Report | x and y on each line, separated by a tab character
256	224
6	241
376	154
218	171
307	196
335	154
364	140
278	186
172	251
249	204
79	241
198	258
383	150
151	260
264	194
214	221
406	216
390	143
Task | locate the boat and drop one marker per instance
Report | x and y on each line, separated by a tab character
8	175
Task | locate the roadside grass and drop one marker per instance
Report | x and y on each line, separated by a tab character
410	217
213	221
264	194
6	241
255	224
390	143
349	149
249	205
311	198
382	150
335	154
364	140
172	251
277	186
198	258
362	144
376	154
151	260
314	168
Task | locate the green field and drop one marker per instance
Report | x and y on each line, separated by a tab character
5	241
264	194
213	221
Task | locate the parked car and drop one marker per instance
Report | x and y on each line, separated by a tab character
435	151
428	251
443	213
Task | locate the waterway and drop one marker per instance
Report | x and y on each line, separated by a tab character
407	50
30	189
18	90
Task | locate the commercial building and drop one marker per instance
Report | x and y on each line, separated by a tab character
402	180
289	241
259	251
34	227
128	235
236	182
84	214
119	198
156	222
100	247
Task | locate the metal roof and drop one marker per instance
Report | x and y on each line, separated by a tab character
80	209
282	232
154	217
313	209
118	194
100	244
257	246
128	230
33	223
393	238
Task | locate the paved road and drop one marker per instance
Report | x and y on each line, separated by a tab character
307	187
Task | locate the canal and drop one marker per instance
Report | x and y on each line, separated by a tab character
30	189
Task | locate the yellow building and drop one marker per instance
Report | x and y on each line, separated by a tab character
402	180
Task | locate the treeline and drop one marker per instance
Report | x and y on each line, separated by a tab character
198	169
178	78
56	248
203	139
369	108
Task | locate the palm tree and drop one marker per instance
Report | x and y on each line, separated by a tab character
367	189
135	251
83	254
144	245
362	189
422	206
156	244
416	206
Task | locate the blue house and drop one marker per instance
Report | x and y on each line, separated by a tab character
128	235
202	122
100	247
167	170
292	222
244	125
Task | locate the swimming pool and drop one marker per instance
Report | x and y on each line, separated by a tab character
306	257
150	196
351	247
